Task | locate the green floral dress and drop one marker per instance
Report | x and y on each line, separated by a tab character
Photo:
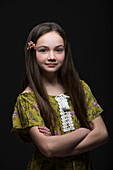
27	114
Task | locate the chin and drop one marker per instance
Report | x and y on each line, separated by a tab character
52	69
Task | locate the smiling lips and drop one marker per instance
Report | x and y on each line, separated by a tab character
51	64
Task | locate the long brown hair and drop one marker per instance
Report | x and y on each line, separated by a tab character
67	73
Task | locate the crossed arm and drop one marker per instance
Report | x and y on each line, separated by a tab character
73	143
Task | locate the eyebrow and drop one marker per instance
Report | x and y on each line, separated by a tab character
44	46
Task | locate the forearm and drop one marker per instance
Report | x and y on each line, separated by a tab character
52	145
62	143
95	138
90	142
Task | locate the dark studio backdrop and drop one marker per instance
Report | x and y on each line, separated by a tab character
89	29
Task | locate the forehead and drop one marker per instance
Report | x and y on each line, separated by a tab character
50	39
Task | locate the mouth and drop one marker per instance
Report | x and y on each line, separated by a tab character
51	64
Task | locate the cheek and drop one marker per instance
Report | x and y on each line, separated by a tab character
61	58
40	58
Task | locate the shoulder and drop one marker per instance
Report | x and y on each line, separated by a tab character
27	90
27	93
26	97
87	90
85	85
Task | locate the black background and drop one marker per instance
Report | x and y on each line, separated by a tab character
88	25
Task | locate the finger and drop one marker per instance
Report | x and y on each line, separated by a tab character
44	127
47	134
45	131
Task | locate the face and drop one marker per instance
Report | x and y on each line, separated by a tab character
50	52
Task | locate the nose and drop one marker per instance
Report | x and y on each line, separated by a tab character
51	56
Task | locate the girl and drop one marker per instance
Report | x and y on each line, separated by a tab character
55	110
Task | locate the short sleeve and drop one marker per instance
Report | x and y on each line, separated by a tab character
93	108
26	114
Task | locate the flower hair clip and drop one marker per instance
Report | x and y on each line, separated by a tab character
31	45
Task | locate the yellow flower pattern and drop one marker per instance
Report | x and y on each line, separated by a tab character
27	114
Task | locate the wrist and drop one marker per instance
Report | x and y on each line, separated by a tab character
85	131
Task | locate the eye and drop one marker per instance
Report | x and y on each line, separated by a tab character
59	50
42	50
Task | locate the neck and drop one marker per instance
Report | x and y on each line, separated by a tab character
50	78
52	84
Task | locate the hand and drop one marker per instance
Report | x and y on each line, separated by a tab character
86	131
44	130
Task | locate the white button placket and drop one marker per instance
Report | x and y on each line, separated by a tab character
65	113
